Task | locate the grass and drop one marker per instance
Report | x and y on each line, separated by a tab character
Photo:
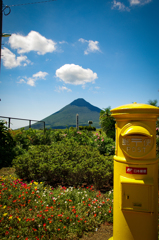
36	211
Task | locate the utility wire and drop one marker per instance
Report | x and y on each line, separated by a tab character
30	3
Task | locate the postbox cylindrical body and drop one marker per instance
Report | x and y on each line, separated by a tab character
135	173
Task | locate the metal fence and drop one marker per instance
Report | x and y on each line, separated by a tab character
29	120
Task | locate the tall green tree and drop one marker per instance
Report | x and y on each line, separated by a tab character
107	122
154	103
7	145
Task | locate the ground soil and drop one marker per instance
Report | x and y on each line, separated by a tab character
104	232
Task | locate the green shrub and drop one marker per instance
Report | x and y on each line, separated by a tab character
105	145
82	137
66	163
22	139
88	128
7	145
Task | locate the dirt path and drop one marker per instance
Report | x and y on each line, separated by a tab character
103	233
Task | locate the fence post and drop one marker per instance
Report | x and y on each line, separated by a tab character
29	123
44	127
8	122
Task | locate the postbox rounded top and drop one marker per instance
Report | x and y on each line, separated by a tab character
136	108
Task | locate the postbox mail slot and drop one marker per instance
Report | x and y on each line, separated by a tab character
136	140
137	195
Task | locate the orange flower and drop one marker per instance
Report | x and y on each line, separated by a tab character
58	229
109	211
95	215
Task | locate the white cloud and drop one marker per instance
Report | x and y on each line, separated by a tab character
119	6
139	2
32	42
11	61
63	88
62	42
31	80
75	74
40	74
92	45
21	81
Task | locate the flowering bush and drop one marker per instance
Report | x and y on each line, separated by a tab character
33	211
105	145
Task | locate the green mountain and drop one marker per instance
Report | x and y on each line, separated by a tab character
66	117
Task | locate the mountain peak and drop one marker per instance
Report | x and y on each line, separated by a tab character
80	102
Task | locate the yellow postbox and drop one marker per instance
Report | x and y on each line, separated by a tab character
135	173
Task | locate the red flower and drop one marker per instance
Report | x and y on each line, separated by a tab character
95	215
44	224
76	215
109	211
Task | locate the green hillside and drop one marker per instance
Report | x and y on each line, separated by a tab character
66	117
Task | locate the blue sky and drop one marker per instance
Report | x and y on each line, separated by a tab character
103	51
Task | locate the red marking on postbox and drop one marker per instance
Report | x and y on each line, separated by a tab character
132	170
